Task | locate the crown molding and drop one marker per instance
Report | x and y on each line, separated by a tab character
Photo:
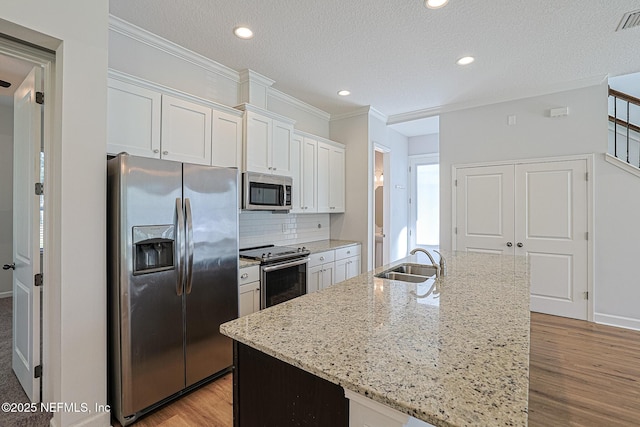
360	111
250	75
300	105
250	107
378	114
141	35
547	90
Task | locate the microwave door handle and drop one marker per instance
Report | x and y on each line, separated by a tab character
284	265
283	195
189	234
179	246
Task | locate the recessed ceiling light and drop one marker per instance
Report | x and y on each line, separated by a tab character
465	60
344	92
243	32
435	4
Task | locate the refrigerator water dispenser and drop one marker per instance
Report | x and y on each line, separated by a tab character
153	248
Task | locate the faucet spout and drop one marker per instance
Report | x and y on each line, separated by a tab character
433	262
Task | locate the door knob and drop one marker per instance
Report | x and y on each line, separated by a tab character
509	244
11	266
519	245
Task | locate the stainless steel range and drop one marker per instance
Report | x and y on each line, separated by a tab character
283	272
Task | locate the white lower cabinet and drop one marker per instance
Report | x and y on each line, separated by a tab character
347	263
249	290
320	271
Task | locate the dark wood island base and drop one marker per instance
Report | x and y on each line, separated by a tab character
268	392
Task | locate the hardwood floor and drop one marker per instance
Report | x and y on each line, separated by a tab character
581	374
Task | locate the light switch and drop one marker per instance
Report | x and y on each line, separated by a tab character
511	120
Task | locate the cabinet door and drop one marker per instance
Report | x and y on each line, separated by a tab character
133	117
313	279
336	179
186	131
340	272
247	297
257	143
281	160
323	174
296	174
327	275
226	143
353	267
309	175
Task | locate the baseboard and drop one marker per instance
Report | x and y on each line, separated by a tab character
619	321
98	419
7	294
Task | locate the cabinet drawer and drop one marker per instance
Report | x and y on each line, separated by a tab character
347	252
321	258
249	274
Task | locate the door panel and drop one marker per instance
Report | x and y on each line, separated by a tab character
485	209
212	297
26	237
538	210
551	225
186	131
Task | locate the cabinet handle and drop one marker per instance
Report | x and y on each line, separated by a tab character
244	275
348	252
509	244
519	245
156	151
275	169
321	258
165	152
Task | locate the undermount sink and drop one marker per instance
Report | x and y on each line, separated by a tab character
413	273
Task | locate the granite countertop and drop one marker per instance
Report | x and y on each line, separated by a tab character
451	352
314	247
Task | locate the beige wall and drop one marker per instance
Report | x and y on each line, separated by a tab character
75	182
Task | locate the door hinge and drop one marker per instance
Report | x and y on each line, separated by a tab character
37	371
39	189
586	235
40	98
37	279
455	230
586	176
409	200
455	183
586	294
409	169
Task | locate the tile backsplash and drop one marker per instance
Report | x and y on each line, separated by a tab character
266	228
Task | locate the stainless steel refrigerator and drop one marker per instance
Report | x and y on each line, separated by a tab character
172	278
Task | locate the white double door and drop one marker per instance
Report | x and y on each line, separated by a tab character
539	210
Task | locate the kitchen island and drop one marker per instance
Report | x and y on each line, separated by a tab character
452	351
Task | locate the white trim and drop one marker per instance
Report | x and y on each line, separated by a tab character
377	407
248	75
618	321
354	113
319	138
589	159
300	105
7	294
165	90
621	164
378	114
386	197
440	109
141	35
249	107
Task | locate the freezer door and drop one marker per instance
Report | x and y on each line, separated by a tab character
211	287
147	357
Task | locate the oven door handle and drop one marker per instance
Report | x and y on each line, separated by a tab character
284	265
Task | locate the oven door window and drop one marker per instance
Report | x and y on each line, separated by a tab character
285	284
262	194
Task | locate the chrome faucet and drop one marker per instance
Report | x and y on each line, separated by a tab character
433	261
443	264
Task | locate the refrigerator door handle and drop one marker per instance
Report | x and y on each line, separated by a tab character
189	221
179	246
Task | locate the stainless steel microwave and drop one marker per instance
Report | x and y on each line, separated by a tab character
262	192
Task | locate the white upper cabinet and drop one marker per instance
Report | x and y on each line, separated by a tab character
186	131
150	120
226	145
267	144
133	115
331	164
309	168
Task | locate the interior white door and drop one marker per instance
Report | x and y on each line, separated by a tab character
551	230
485	209
539	210
26	234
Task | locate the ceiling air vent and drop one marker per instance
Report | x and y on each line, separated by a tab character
629	20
